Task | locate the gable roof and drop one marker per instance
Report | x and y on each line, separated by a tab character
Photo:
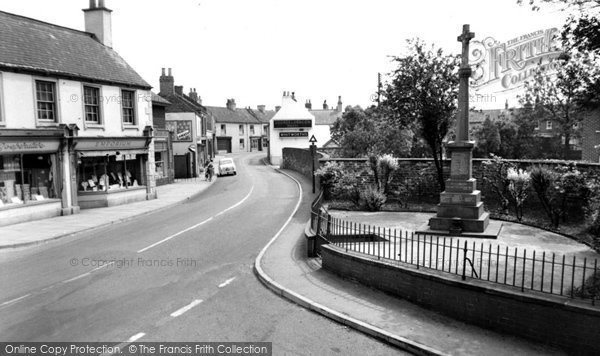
262	116
224	115
326	117
33	46
182	103
159	100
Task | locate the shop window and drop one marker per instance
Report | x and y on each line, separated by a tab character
91	97
46	100
128	104
251	129
27	178
108	173
241	129
241	143
160	164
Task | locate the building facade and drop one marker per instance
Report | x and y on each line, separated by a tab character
75	120
193	139
240	130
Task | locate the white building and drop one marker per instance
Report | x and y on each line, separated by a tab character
292	126
75	120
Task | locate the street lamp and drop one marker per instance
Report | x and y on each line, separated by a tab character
313	153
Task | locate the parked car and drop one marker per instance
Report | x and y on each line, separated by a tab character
226	167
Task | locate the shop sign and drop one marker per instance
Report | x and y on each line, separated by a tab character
115	143
511	63
290	124
293	134
28	146
182	129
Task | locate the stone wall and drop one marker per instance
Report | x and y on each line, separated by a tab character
561	322
299	160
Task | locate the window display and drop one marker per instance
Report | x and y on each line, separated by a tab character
108	173
27	178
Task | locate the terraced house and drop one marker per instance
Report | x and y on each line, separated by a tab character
240	130
75	120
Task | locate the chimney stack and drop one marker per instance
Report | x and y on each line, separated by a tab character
231	104
98	22
325	106
166	83
193	95
179	90
277	108
261	108
308	105
339	104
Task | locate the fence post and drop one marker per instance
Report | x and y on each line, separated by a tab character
464	276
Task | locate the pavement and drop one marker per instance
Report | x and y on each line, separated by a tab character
41	231
284	268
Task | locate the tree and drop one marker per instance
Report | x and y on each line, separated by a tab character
488	139
422	96
365	132
580	35
558	98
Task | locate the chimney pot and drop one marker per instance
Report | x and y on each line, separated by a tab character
101	3
92	4
163	72
170	72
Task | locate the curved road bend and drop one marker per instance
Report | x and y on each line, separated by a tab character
182	274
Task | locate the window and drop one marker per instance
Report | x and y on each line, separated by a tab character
241	143
223	129
548	125
46	100
241	129
128	104
251	129
537	125
91	99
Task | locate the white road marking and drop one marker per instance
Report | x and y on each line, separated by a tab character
186	308
197	225
175	235
78	277
226	282
136	337
14	300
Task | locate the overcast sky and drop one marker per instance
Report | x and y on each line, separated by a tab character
253	50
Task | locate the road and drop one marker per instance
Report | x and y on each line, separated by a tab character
182	274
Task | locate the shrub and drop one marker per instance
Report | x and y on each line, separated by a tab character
387	165
495	179
329	174
373	197
518	188
346	187
544	182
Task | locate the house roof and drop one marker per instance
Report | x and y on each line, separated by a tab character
326	117
33	46
182	103
159	100
232	116
262	116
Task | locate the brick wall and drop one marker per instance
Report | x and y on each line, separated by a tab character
564	323
590	136
420	177
299	160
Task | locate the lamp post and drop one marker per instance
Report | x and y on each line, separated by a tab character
313	153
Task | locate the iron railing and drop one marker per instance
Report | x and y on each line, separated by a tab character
523	269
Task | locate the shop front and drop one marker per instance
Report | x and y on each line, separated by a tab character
111	170
31	175
163	158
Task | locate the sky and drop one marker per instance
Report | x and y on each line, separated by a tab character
254	50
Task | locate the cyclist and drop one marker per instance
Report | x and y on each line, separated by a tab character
209	169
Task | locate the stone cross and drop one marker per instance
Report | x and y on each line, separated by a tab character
462	129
